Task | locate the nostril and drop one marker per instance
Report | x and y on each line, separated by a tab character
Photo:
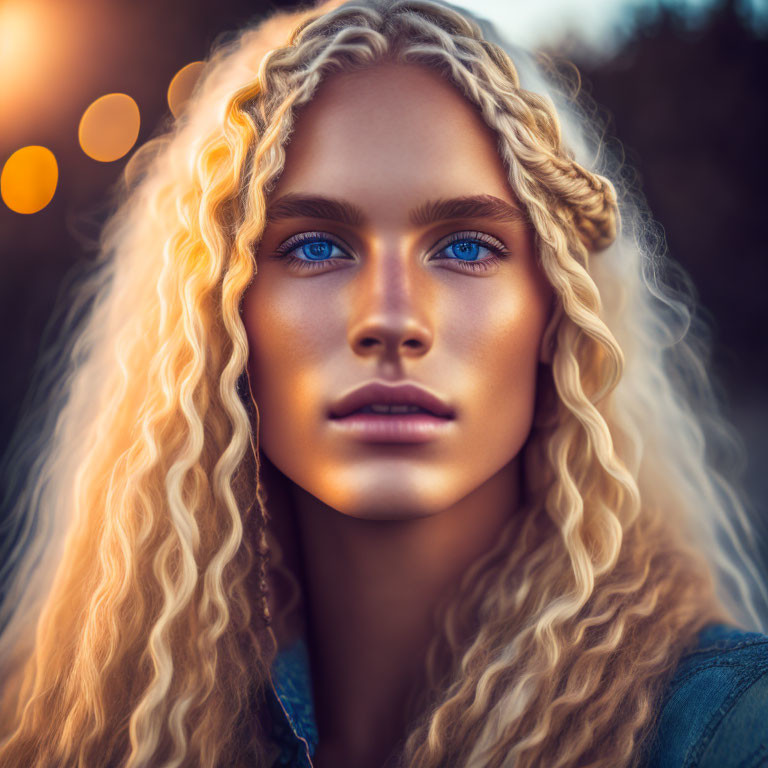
391	338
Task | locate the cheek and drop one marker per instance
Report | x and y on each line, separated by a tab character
277	318
291	337
286	329
495	342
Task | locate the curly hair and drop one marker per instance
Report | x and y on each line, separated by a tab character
138	540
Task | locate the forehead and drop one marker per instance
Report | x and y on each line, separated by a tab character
392	132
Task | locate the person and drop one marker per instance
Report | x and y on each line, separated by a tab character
381	439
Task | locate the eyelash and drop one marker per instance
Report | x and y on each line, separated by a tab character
497	249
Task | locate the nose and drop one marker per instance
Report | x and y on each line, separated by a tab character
391	315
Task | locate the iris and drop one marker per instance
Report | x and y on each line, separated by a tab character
318	249
466	250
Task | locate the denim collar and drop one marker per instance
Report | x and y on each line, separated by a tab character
290	701
294	728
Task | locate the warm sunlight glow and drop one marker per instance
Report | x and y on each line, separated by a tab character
182	85
23	43
109	127
29	179
17	36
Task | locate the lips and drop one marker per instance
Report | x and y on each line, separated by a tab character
390	394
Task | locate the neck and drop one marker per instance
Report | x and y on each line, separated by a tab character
372	587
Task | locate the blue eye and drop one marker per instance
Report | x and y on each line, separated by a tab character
465	250
310	250
472	250
316	250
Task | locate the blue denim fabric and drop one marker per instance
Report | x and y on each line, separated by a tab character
292	711
714	713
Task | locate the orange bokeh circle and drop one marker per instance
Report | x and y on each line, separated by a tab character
29	178
109	127
182	85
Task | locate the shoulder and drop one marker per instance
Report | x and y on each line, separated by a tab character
715	711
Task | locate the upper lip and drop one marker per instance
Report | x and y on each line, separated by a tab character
397	394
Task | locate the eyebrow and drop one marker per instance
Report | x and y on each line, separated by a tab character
294	206
469	207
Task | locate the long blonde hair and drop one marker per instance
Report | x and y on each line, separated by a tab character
135	569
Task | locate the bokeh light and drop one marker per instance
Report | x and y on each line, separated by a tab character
17	33
182	85
109	127
29	179
20	28
40	43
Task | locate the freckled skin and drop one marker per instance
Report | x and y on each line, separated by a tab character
388	530
471	337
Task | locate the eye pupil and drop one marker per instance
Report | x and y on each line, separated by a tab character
319	249
466	250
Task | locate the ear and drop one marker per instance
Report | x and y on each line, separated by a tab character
548	339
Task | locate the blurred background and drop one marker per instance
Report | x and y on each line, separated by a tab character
682	85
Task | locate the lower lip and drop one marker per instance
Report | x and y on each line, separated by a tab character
381	428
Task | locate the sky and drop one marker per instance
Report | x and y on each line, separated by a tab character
600	24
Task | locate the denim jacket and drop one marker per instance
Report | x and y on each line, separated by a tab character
714	713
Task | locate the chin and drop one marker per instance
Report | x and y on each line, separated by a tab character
379	495
386	510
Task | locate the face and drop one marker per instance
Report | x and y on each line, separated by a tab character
395	253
